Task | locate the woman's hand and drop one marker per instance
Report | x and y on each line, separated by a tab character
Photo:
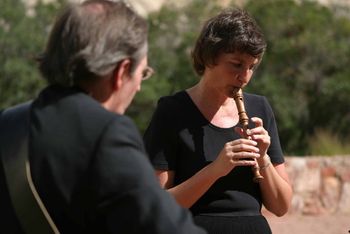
239	152
258	134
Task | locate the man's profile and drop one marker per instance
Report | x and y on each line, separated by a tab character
87	159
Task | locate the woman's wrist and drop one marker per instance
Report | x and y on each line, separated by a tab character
265	162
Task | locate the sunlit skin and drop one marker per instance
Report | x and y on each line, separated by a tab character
213	96
214	92
129	85
231	70
123	85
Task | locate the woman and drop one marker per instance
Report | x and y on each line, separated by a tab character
197	147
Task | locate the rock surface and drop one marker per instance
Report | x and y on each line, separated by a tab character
321	201
321	184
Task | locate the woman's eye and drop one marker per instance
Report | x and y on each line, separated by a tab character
252	68
236	65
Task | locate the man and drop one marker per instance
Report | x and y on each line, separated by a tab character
87	160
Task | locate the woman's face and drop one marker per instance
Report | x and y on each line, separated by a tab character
231	71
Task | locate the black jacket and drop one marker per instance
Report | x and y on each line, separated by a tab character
91	171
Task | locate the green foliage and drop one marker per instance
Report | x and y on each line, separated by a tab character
171	38
22	38
304	73
324	143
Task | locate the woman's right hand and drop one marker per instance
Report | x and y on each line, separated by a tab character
239	152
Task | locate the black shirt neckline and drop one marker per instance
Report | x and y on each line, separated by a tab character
191	102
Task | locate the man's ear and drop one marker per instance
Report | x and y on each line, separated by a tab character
121	73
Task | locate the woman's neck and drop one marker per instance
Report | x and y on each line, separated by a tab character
218	109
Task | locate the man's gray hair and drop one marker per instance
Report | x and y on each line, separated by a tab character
90	39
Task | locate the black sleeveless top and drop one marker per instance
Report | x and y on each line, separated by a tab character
181	139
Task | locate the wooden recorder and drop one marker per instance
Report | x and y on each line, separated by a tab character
244	120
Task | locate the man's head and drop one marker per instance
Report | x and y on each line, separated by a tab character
231	31
90	40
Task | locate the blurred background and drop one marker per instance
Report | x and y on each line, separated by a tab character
305	74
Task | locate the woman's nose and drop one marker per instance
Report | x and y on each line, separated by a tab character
244	76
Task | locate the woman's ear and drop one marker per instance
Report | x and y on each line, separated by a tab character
121	73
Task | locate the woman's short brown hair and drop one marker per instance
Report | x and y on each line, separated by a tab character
230	31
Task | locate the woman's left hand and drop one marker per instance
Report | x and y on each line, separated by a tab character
258	134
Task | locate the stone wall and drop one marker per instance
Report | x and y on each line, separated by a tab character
321	184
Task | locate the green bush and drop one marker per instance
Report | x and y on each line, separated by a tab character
304	73
324	143
22	38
